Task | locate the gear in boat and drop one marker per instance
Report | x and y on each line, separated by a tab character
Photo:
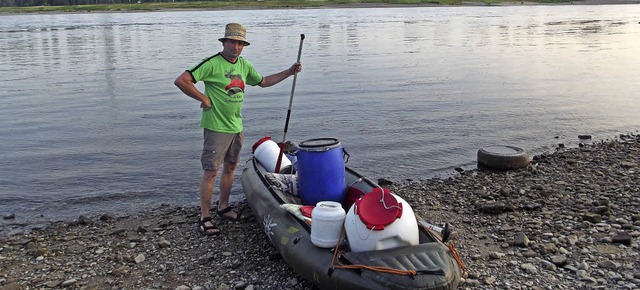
341	230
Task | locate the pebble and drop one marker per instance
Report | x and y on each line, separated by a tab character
69	282
139	258
496	255
529	268
490	280
560	260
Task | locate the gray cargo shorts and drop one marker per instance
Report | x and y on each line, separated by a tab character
220	147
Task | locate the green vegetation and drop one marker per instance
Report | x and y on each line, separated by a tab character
132	5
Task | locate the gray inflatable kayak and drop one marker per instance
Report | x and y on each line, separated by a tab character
431	263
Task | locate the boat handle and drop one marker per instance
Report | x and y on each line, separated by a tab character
345	155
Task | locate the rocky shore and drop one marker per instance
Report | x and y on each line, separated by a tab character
570	220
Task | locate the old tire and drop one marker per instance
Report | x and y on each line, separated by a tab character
502	157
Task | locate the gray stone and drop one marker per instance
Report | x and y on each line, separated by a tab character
559	260
549	248
570	268
12	286
139	258
163	243
69	282
582	273
292	282
628	164
584	266
614	276
84	220
521	240
121	270
496	255
240	285
529	268
91	286
590	280
622	238
53	284
529	254
473	275
573	239
472	282
592	218
607	264
549	266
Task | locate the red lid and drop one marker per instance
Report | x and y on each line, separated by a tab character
353	194
306	210
378	209
255	146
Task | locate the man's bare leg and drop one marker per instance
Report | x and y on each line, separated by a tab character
206	190
226	180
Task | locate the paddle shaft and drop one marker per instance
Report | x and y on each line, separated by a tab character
286	124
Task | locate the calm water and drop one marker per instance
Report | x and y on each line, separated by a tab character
90	121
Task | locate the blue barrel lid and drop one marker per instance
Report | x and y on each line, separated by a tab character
319	144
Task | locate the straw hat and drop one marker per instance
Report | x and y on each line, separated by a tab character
235	31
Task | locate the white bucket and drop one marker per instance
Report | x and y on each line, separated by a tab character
327	219
267	151
403	231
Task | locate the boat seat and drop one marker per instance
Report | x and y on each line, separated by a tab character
428	258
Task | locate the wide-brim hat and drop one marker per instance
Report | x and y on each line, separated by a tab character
235	31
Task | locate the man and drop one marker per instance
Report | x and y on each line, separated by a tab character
225	75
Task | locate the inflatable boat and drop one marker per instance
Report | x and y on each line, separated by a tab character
370	240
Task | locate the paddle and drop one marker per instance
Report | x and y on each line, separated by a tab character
286	124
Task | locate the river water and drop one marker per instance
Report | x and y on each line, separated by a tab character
90	121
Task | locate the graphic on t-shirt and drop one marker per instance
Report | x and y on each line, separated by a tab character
236	85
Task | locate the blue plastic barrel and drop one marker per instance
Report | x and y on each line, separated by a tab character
321	173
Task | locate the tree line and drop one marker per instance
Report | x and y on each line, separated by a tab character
23	3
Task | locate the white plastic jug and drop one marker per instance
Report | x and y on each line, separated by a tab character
402	231
327	219
267	151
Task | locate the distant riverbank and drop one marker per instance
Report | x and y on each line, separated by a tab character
248	5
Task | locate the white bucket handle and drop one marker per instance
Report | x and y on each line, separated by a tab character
355	209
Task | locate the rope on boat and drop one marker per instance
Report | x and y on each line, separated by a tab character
457	257
337	254
452	249
384	204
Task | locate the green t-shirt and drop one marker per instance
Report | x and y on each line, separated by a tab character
224	85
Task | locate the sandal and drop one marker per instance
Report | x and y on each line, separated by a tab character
206	230
226	210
